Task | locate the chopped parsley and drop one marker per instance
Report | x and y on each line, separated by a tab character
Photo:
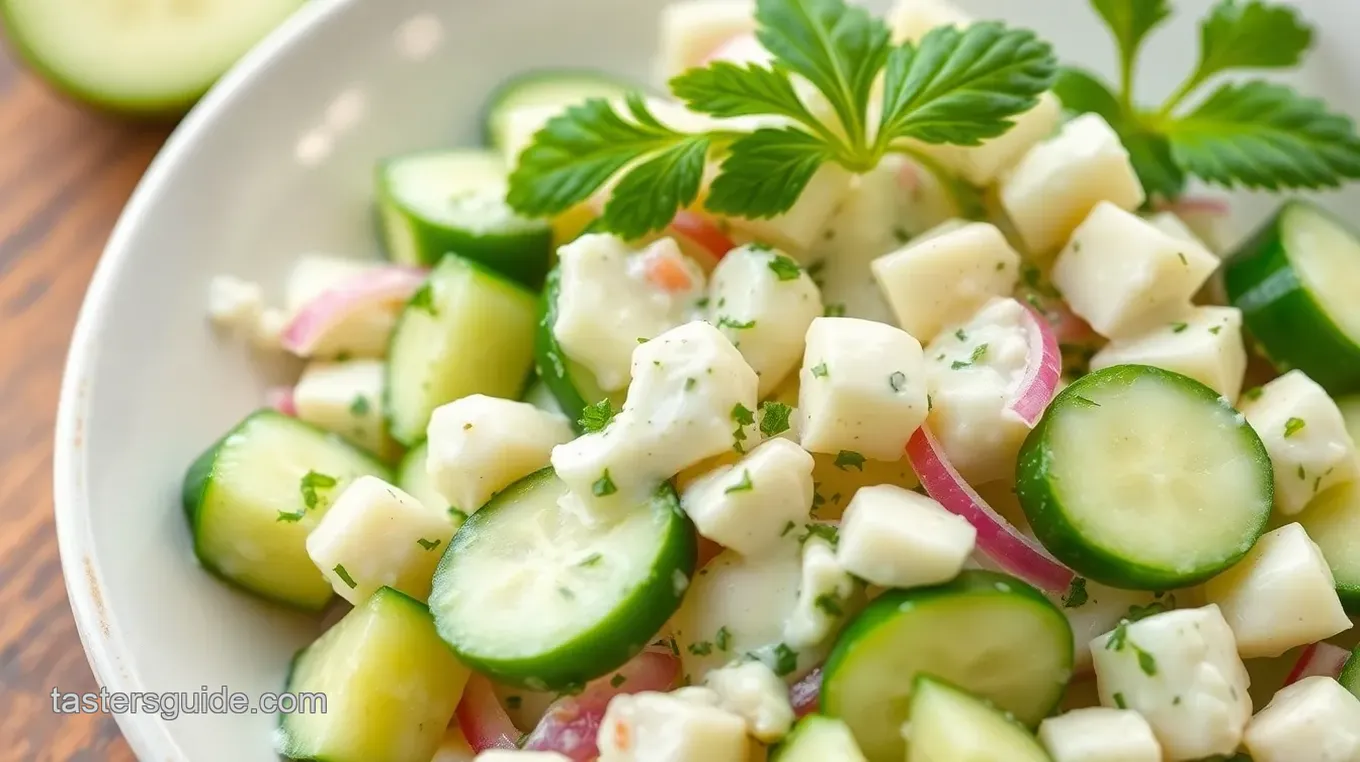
901	235
834	309
723	639
1076	594
590	560
1293	426
566	592
1118	638
828	532
291	517
344	576
961	335
829	605
703	648
785	660
1215	329
743	417
1146	662
311	482
1179	327
759	246
978	353
848	459
701	303
819	370
1253	393
1120	702
774	418
1184	261
690	383
457	515
359	407
744	485
596	417
897	380
736	325
617	680
1136	612
423	299
930	403
429	544
604	486
1301	473
787	528
785	268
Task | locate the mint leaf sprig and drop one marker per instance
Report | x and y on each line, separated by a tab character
1255	134
956	87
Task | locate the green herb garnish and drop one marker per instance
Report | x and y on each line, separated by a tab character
785	268
829	605
344	576
723	639
423	299
428	544
848	459
897	380
310	483
359	407
1076	594
774	418
820	371
1293	426
596	417
744	485
604	486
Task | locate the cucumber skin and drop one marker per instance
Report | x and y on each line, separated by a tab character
888	605
199	477
550	362
608	645
1289	323
1049	521
1350	674
491	133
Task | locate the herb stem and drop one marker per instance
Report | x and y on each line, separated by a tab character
1179	96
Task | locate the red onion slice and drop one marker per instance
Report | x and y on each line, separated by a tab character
281	399
805	694
1322	659
1042	372
482	719
382	288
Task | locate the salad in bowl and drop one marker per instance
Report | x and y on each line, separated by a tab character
873	390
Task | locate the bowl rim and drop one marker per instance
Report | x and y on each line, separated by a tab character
147	734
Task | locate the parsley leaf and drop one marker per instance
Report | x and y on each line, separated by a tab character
360	406
1293	426
1076	594
774	418
829	605
846	459
723	639
1130	21
828	532
596	417
651	191
1250	35
736	325
819	370
344	576
429	544
604	486
744	485
785	660
423	299
765	172
310	483
785	268
726	90
617	680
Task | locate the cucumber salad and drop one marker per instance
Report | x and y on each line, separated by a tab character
865	390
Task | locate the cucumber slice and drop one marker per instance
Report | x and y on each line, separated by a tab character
948	723
1332	520
414	480
1118	478
146	58
438	202
988	632
253	497
1295	282
817	739
546	88
1350	674
390	686
466	331
573	386
537	595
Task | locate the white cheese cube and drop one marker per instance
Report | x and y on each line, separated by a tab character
945	277
691	30
894	537
1124	276
751	691
1281	595
797	229
1096	608
749	505
764	302
1097	734
1313	720
655	727
375	535
980	165
1204	344
1174	226
824	597
862	389
1305	434
480	445
1058	182
911	20
346	398
975	370
519	755
693	397
606	301
1180	671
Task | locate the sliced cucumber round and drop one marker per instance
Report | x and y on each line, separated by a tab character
546	88
1332	520
534	593
440	202
145	58
1145	479
990	633
466	331
573	386
1295	282
817	739
253	498
1350	674
949	723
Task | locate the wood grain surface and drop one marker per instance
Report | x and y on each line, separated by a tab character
65	173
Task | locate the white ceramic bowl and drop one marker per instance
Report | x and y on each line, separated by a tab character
278	160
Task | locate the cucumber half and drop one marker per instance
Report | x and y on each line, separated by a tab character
991	633
947	723
546	88
1332	520
389	683
571	385
438	202
1295	282
817	739
538	595
253	497
144	58
1145	479
466	331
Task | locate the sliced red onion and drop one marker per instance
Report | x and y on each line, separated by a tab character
571	724
384	288
482	719
1005	545
1318	659
806	693
281	399
1042	371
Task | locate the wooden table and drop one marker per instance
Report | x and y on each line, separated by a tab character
65	173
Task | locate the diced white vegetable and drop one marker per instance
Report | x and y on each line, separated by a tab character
751	691
606	303
863	389
980	165
1097	734
656	727
1124	276
1058	182
520	755
691	30
1204	344
364	333
749	505
375	535
691	394
1306	437
910	20
797	229
238	306
824	597
764	302
1181	671
345	398
897	538
974	370
1281	595
1313	720
944	277
1098	608
480	445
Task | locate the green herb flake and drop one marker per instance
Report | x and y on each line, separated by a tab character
785	660
901	235
1076	594
690	383
1293	426
1253	393
961	335
789	527
359	407
897	380
744	485
828	532
848	459
604	486
311	482
829	605
1120	702
344	576
1179	327
834	310
291	517
774	418
513	702
723	639
591	560
1118	638
785	268
1215	330
1301	473
703	648
1146	662
617	680
1084	401
1184	261
566	592
736	325
596	417
820	371
429	544
423	299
